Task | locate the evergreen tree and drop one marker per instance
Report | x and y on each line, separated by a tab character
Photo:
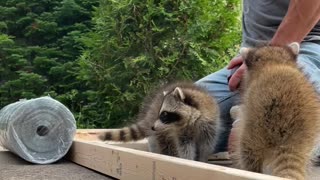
39	48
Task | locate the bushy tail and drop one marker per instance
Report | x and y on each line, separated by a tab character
132	133
288	165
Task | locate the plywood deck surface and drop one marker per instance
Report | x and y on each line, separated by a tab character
14	168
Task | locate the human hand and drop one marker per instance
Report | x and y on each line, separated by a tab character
236	77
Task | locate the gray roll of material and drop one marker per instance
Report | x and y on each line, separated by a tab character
39	130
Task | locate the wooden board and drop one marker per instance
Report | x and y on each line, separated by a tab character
130	164
90	135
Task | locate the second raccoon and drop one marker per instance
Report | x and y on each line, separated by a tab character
179	119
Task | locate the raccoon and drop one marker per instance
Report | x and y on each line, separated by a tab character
280	113
180	119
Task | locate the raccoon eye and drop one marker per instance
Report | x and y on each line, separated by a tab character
169	117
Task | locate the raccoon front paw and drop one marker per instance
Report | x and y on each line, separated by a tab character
235	112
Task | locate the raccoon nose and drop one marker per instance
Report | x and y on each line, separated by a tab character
152	128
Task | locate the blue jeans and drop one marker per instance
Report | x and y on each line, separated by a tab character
217	85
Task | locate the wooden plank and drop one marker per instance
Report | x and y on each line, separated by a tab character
130	164
90	135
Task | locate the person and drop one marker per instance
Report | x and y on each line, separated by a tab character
276	22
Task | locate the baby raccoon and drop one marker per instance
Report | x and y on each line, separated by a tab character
280	113
180	119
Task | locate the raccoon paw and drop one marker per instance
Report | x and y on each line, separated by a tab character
235	112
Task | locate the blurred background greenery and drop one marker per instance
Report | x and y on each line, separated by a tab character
100	58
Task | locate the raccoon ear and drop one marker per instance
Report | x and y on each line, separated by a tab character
244	52
295	47
178	92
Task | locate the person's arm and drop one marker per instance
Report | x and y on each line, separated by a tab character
301	17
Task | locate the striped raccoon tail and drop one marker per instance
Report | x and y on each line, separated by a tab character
132	133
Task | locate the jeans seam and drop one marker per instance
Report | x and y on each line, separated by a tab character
227	97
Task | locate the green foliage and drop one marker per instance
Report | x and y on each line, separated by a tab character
26	85
5	40
137	45
101	58
39	46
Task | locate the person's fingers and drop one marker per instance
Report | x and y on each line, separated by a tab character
235	79
237	61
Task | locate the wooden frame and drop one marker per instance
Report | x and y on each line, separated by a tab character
132	162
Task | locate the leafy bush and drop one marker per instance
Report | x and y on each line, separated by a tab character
139	44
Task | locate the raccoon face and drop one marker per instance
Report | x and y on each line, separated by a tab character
178	109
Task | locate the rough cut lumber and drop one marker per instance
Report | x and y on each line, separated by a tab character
130	164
